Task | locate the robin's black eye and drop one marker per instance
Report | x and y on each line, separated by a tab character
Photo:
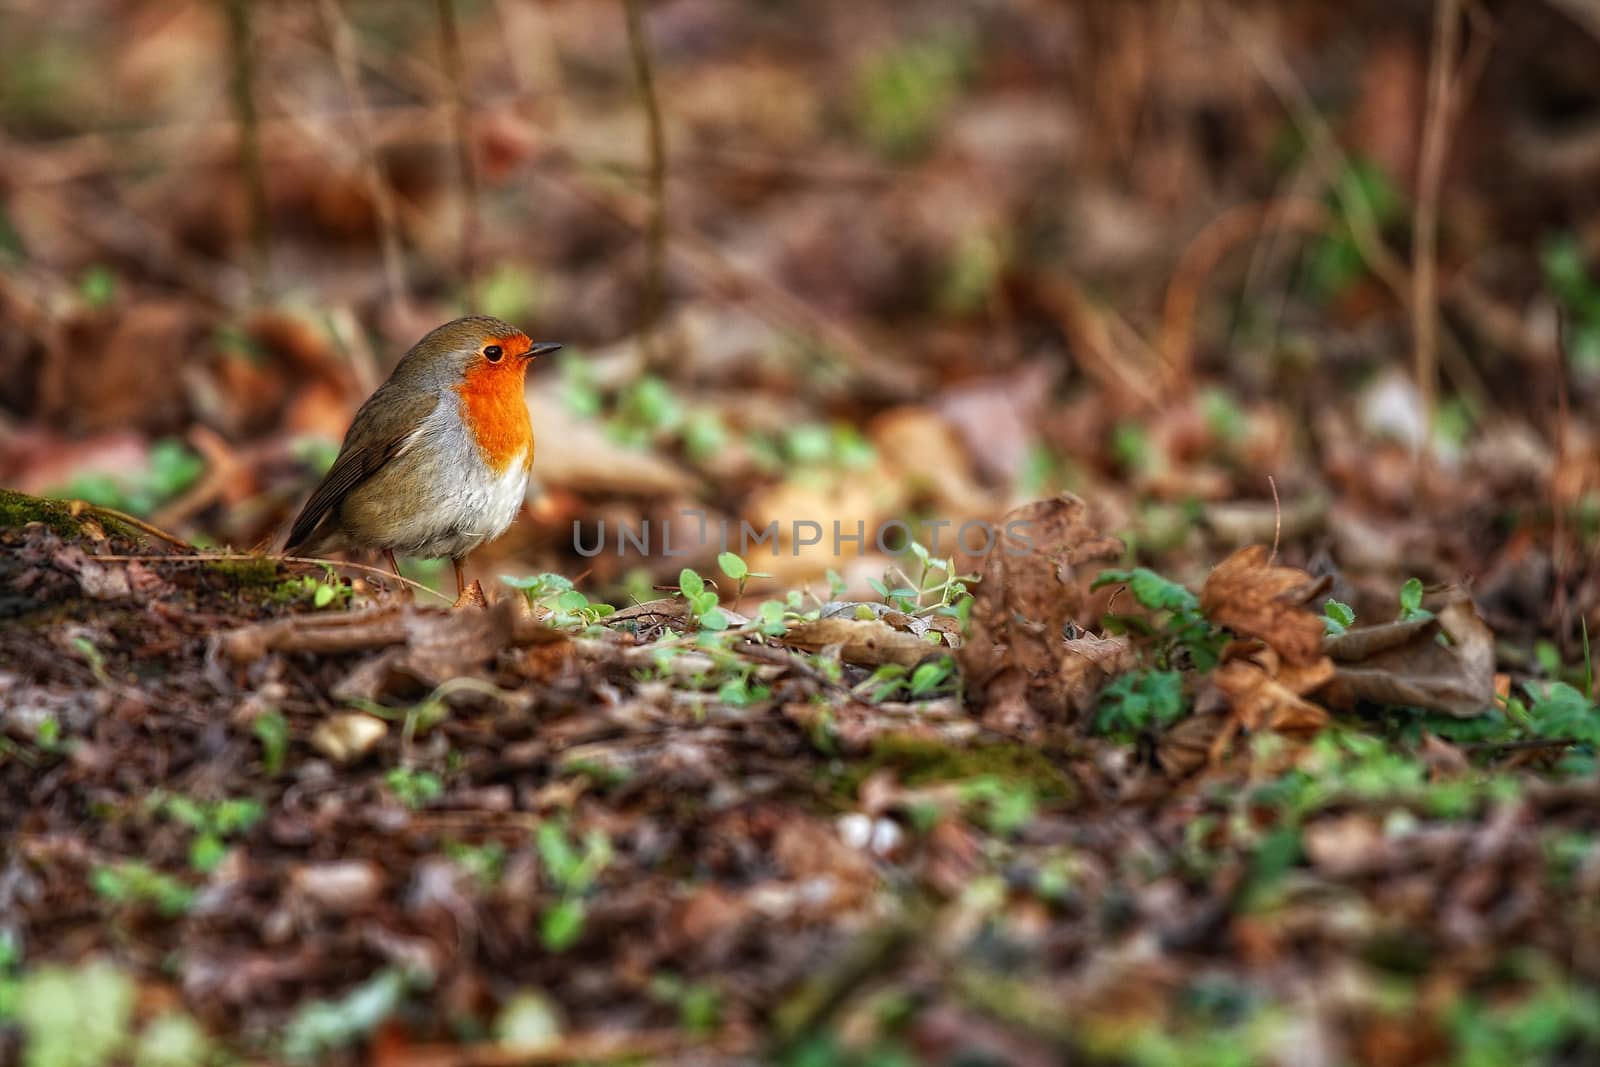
493	353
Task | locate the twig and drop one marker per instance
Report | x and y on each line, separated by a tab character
78	507
244	107
346	57
1277	520
656	231
1437	124
450	43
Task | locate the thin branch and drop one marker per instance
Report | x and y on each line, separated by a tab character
450	44
656	231
242	55
1437	124
345	54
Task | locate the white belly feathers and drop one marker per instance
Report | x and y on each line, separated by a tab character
466	503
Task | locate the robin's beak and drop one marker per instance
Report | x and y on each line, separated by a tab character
542	348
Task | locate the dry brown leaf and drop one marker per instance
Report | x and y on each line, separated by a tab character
1032	587
1088	663
1252	597
1266	699
864	642
1405	663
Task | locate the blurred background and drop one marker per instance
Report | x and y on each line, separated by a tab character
1231	271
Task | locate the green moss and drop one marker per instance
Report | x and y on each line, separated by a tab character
917	761
19	509
261	573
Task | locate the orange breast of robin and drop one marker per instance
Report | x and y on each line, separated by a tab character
496	413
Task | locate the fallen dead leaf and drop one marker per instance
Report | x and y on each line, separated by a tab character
1031	589
865	642
1252	597
1407	663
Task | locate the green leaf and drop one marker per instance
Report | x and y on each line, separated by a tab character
713	620
733	566
323	596
771	614
690	583
1140	701
272	730
1562	713
1338	617
562	924
930	676
557	854
1411	601
206	852
571	600
1151	590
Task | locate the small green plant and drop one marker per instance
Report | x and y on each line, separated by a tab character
212	822
414	787
567	607
325	1026
905	89
934	678
94	657
327	591
484	863
703	611
699	1004
1558	1022
98	286
1411	601
1140	703
936	590
1337	617
1177	617
131	882
735	568
572	871
272	730
1001	805
1567	274
1560	712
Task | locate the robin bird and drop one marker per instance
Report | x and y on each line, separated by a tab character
436	461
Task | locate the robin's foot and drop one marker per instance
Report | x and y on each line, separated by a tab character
405	591
471	597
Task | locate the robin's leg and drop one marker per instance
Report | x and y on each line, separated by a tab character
388	554
461	576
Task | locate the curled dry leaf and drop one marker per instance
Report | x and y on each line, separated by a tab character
1406	663
1088	663
1265	692
1251	596
1033	585
865	642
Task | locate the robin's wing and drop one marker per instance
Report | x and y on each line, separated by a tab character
365	451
